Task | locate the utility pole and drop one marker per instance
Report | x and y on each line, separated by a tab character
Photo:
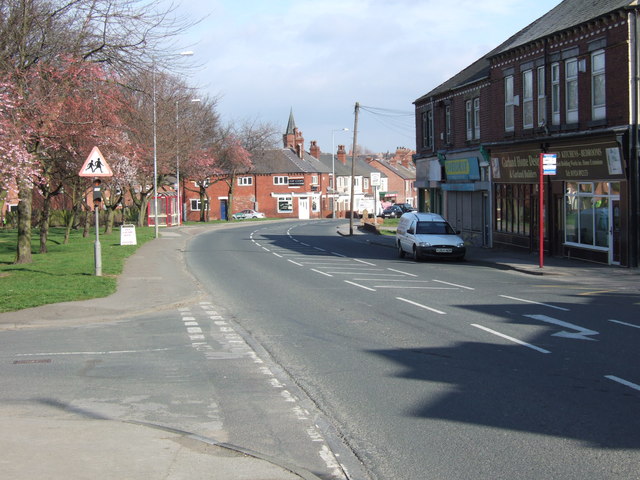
353	167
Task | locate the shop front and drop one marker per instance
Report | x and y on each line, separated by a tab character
585	200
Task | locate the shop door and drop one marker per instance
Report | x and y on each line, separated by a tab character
303	208
614	215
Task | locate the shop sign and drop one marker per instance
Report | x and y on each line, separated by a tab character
462	169
296	182
578	161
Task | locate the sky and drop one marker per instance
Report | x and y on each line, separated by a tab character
264	58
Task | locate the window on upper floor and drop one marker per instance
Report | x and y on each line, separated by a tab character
542	99
314	180
555	94
281	180
571	90
427	129
598	93
527	99
509	104
472	115
245	181
447	125
366	183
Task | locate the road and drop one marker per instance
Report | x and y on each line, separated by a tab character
443	370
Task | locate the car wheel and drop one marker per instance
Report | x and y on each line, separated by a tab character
416	257
400	251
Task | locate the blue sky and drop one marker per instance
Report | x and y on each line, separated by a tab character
319	57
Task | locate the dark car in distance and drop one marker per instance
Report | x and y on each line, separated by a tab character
394	211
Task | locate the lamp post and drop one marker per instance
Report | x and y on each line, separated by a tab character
155	144
193	100
333	168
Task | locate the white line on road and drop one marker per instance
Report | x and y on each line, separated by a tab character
515	340
454	285
338	254
295	263
361	286
535	303
108	352
623	382
277	255
362	261
581	333
625	323
321	272
400	271
421	306
407	287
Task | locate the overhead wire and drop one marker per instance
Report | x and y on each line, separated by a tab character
399	121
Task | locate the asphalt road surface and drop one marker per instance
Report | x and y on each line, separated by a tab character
437	370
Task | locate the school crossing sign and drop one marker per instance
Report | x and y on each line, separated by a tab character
95	165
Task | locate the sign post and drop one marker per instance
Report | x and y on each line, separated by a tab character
547	165
375	183
96	166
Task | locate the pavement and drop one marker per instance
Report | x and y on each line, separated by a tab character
56	443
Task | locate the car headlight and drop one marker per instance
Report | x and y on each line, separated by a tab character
424	244
460	245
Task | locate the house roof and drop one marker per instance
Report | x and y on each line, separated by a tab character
567	14
400	170
286	161
363	169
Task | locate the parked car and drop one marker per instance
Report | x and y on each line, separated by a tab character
248	213
406	207
428	235
394	211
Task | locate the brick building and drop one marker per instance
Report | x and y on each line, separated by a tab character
565	85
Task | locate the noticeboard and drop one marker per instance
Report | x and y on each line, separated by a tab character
128	235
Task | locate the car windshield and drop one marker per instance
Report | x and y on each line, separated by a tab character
434	228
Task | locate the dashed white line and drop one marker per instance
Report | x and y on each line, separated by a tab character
507	337
295	263
623	382
321	272
454	285
361	286
403	273
362	261
535	303
625	323
416	304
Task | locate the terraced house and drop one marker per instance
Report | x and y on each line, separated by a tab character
567	86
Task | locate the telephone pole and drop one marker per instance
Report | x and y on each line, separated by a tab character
353	167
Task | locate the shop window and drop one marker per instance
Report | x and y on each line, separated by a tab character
285	204
598	94
586	212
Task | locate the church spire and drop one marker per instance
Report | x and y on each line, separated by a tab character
292	138
291	126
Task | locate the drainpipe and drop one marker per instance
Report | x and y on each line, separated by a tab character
634	183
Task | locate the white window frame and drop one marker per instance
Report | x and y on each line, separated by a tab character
288	199
245	181
527	99
447	124
509	104
314	179
598	99
555	93
542	97
571	90
476	118
196	205
427	129
468	107
281	180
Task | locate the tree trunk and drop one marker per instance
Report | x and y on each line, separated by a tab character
23	253
87	220
44	222
203	205
108	224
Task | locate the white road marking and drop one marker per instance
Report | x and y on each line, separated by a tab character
421	306
454	285
295	263
507	337
362	261
403	273
106	352
361	286
535	303
338	254
321	272
409	287
277	254
625	323
580	334
623	382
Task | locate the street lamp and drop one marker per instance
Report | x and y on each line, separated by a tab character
333	168
193	100
155	144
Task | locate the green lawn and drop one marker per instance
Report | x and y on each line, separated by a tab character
66	273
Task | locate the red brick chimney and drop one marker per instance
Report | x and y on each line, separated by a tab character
342	154
314	149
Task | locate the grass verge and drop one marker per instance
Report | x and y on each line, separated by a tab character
66	272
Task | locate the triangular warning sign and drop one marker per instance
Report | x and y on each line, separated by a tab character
95	165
